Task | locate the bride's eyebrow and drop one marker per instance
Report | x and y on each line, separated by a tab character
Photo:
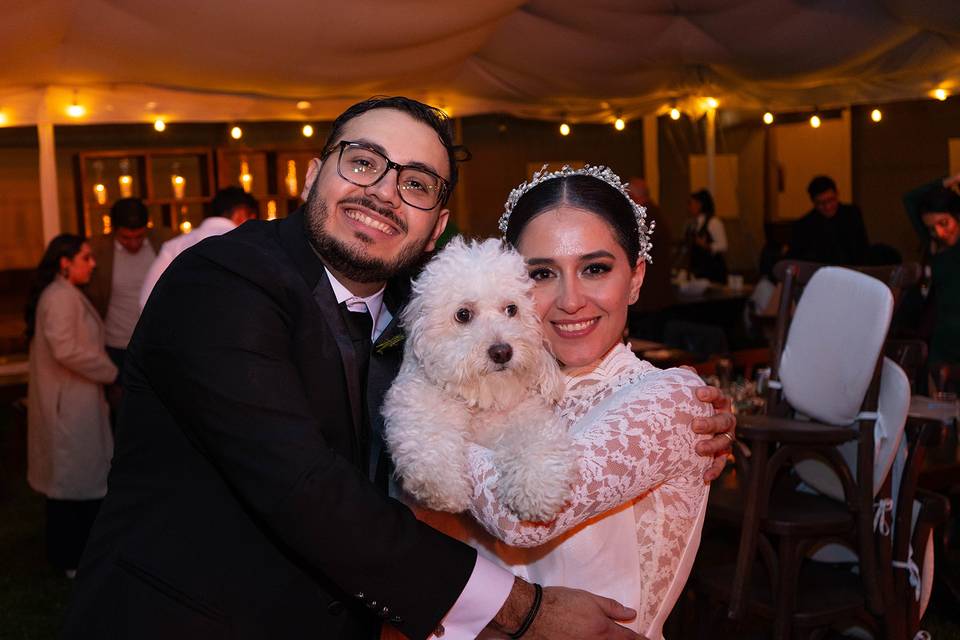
537	262
598	254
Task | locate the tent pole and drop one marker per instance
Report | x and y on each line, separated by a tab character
49	204
711	134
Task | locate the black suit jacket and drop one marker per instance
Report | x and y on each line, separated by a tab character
239	503
841	239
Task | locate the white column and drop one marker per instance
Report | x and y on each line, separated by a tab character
651	156
712	151
49	202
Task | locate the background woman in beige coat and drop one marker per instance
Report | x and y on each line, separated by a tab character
69	443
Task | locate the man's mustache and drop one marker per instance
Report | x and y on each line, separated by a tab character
368	203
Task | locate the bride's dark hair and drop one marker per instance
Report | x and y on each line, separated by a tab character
583	192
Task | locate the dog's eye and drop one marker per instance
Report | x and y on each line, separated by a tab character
510	310
463	315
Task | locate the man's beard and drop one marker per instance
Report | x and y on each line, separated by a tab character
348	259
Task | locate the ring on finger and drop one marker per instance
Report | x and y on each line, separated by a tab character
728	436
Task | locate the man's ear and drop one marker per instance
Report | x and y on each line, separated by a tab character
313	170
438	228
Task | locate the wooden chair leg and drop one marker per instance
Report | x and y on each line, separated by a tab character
786	589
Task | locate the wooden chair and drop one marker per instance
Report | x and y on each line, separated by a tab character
780	526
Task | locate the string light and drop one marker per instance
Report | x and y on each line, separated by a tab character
564	129
768	118
76	110
940	94
159	124
236	133
674	113
619	124
815	121
876	115
307	131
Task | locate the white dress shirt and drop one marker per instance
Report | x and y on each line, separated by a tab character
489	585
213	226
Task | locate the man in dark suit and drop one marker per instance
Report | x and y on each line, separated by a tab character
241	503
832	232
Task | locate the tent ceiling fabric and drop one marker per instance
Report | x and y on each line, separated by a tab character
132	60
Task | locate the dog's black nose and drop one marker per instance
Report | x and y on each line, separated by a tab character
500	353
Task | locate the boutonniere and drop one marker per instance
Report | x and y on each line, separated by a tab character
389	343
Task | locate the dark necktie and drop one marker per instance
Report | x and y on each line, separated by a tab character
360	326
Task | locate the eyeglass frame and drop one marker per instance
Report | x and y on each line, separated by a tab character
444	183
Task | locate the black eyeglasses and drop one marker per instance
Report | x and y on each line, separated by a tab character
360	165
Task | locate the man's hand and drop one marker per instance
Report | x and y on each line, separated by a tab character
564	614
721	425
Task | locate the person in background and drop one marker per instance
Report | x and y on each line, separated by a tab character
830	233
706	239
124	256
644	316
230	208
934	210
69	443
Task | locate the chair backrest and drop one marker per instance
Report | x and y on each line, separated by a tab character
834	343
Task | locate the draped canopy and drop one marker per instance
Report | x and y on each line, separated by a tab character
587	60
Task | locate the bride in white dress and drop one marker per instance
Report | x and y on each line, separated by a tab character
632	528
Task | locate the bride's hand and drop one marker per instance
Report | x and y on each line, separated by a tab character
721	425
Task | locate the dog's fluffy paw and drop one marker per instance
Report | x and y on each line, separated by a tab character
438	493
536	468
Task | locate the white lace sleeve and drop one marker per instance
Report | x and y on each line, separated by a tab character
632	438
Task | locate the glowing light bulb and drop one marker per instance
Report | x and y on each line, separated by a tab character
768	118
619	124
159	124
179	185
815	121
126	186
236	133
100	193
307	131
186	227
674	114
712	103
76	110
3	118
940	94
246	178
564	129
876	115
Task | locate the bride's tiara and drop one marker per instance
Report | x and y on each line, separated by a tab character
600	173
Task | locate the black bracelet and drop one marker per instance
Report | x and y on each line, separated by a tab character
534	610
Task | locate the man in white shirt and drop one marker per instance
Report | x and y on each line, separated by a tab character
231	207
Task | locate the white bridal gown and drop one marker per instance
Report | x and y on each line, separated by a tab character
632	528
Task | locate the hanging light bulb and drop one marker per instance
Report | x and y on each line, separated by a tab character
674	113
291	178
159	124
711	103
307	131
246	178
876	115
940	94
564	129
619	124
768	118
76	110
236	133
125	180
815	121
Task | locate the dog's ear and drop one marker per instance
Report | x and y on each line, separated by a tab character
549	380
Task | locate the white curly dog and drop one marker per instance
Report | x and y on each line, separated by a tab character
476	370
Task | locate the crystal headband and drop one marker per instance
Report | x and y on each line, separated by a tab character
598	172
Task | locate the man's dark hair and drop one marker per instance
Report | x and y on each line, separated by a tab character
435	118
820	184
941	200
129	213
230	198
